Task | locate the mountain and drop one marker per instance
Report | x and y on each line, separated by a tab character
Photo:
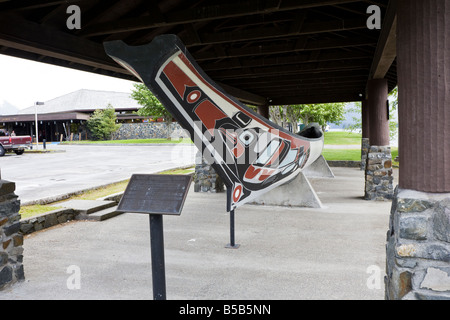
7	108
349	118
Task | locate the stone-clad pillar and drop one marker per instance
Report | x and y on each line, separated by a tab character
418	249
11	251
378	170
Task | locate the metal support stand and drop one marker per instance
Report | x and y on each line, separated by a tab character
232	244
158	264
156	195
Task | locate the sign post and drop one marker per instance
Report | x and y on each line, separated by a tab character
157	251
156	195
232	244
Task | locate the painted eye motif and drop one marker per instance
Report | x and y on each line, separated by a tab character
246	137
193	96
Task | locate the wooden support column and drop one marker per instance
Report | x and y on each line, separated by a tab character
424	95
365	123
378	114
378	171
418	240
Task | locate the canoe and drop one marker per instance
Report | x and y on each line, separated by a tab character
251	154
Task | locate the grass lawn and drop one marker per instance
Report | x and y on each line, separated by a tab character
352	155
33	210
342	154
342	138
334	138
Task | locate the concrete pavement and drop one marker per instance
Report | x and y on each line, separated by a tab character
285	253
51	176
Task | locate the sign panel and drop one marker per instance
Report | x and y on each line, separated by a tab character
155	194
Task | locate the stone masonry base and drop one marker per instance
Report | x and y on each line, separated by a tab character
418	247
205	178
365	146
379	174
11	240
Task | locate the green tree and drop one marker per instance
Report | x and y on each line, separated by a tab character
393	124
102	123
308	113
151	106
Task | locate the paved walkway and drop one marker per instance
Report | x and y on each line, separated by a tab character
285	253
52	175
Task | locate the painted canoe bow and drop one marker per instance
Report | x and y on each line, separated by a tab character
251	154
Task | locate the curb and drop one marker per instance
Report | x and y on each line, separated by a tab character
344	163
65	196
129	144
64	215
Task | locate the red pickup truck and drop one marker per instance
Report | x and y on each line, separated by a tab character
18	144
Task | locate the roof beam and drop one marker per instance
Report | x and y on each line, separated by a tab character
306	77
314	56
304	84
270	48
270	32
315	98
31	37
244	96
31	4
302	90
205	13
311	67
386	50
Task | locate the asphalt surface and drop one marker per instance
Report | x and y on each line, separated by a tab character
336	252
51	176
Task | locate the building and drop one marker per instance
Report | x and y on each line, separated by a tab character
65	117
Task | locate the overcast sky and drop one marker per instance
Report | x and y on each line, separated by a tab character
22	82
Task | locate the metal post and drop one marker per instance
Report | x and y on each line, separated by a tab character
157	251
36	121
36	125
232	244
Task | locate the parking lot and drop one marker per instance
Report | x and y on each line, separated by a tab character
79	167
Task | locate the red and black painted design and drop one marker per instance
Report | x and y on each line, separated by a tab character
251	154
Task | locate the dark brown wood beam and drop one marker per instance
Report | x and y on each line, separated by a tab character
315	98
19	5
313	56
31	37
271	32
64	63
336	75
361	64
386	50
301	90
272	48
243	95
204	13
317	83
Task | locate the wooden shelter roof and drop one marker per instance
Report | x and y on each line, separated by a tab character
276	51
